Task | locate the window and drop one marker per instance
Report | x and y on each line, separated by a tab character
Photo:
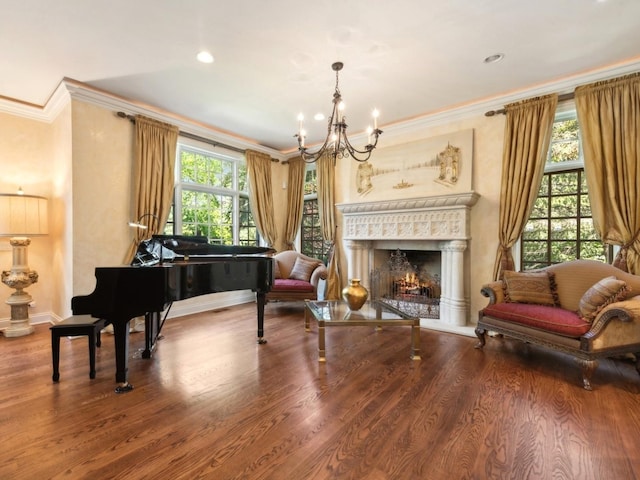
211	197
560	227
312	243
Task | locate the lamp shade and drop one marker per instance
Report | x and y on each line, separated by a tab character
23	215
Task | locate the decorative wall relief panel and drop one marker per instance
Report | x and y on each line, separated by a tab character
434	166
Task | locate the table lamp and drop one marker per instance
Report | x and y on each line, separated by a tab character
21	216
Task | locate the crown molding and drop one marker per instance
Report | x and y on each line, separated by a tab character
475	109
83	92
72	89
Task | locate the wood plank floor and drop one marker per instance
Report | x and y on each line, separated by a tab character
213	404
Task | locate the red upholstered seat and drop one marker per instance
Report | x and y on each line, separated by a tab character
290	284
543	317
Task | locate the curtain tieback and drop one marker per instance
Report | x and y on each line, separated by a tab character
632	241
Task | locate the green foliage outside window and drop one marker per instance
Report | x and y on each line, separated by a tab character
560	227
213	199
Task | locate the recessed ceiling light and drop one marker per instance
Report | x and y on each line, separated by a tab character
318	116
205	57
494	58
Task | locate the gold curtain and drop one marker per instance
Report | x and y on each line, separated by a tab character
295	200
155	157
326	206
609	118
527	136
261	194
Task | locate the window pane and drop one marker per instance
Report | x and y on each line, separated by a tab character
587	230
585	206
544	187
535	251
247	230
564	206
540	208
565	151
243	184
536	230
565	229
565	144
593	250
310	182
564	183
563	251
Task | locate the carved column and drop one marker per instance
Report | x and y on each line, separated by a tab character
453	304
358	261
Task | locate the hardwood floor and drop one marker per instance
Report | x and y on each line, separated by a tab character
213	404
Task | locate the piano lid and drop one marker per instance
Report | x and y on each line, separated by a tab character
197	245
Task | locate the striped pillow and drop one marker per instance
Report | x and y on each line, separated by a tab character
303	269
604	292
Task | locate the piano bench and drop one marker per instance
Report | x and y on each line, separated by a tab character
74	326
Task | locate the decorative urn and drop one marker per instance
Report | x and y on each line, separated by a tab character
355	294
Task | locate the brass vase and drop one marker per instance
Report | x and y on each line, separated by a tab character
355	294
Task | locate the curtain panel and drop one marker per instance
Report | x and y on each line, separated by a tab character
261	194
609	117
154	157
295	200
326	206
527	137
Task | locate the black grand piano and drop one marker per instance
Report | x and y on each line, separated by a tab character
171	268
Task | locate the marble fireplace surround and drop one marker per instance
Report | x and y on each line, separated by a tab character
433	223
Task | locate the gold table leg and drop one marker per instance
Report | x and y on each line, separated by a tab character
415	340
321	346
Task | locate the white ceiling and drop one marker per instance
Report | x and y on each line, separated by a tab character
407	58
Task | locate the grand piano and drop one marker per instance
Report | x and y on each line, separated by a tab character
167	269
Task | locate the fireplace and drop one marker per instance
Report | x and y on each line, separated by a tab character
435	224
408	281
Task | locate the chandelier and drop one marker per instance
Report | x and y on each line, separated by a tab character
337	144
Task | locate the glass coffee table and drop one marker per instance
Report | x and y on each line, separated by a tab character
335	313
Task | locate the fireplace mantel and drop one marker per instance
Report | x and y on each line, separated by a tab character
467	199
443	217
429	223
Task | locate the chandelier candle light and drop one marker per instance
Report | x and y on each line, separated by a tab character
337	144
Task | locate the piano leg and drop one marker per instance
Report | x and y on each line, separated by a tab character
261	299
151	332
121	339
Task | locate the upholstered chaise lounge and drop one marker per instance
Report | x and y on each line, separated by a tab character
297	277
585	308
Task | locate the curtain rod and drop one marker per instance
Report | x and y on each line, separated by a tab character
502	111
192	136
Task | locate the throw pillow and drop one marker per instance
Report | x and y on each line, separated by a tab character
604	292
531	287
302	269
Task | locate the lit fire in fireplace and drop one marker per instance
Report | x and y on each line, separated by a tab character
398	283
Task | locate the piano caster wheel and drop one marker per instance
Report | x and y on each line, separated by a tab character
262	340
124	388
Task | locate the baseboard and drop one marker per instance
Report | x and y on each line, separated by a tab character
431	324
190	306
